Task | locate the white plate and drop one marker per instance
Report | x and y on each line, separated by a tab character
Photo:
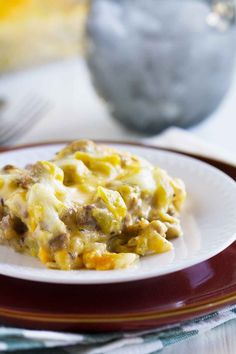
209	222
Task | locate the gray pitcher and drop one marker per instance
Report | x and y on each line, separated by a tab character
161	62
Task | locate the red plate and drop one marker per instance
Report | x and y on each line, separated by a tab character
154	302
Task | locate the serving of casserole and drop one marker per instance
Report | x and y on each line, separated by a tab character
90	207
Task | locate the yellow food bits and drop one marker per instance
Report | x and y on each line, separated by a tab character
164	192
106	221
76	245
107	261
179	193
44	255
63	259
113	201
53	170
1	182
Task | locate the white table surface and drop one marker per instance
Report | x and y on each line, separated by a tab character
77	112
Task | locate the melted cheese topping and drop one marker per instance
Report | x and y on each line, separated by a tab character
90	207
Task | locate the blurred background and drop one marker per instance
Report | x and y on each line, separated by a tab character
126	69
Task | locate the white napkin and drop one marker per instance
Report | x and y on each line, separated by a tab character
183	140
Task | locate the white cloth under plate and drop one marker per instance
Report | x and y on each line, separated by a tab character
182	140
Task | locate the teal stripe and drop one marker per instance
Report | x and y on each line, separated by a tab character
204	318
16	343
178	338
101	337
10	331
158	336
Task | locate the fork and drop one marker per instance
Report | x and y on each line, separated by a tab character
14	121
